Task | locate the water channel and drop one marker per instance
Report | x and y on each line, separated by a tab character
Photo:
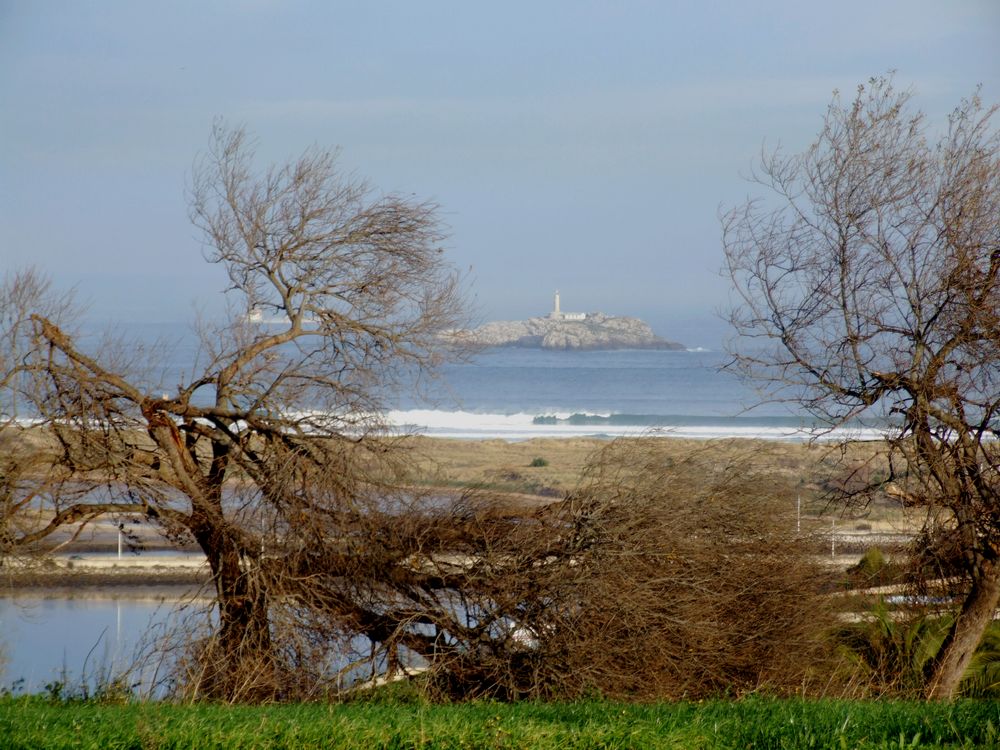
86	639
86	635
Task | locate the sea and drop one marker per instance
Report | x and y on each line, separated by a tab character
513	393
516	394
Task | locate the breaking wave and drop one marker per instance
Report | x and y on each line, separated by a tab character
523	425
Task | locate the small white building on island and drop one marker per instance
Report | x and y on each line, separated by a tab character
558	314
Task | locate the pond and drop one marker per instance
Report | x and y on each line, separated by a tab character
77	640
84	640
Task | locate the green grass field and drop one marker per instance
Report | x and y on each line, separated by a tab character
754	723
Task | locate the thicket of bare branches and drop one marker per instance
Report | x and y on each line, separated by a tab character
657	579
31	477
691	579
869	288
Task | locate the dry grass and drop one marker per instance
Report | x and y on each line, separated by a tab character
812	469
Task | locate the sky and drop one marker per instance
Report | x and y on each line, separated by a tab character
580	146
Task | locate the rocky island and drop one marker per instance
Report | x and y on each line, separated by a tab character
567	330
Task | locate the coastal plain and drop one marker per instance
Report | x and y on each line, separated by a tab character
525	475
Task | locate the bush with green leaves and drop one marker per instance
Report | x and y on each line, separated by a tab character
893	650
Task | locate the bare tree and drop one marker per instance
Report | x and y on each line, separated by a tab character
31	478
660	576
654	579
336	295
868	282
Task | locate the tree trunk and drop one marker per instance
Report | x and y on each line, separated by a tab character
240	664
966	633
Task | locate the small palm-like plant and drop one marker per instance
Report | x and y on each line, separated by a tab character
982	678
895	654
892	653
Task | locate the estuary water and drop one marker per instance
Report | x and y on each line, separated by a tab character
48	640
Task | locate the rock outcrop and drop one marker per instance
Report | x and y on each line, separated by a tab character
596	331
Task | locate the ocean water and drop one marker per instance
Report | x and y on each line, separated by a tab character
516	394
521	393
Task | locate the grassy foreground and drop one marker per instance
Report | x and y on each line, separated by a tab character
752	723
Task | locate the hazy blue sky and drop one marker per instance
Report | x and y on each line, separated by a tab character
579	145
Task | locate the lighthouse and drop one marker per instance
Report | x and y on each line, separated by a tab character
558	314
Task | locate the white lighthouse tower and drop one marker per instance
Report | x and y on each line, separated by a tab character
558	314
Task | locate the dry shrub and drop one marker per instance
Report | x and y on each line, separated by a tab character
659	578
691	579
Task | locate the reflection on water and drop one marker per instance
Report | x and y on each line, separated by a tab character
91	641
79	641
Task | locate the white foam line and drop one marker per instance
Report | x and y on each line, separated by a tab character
471	426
